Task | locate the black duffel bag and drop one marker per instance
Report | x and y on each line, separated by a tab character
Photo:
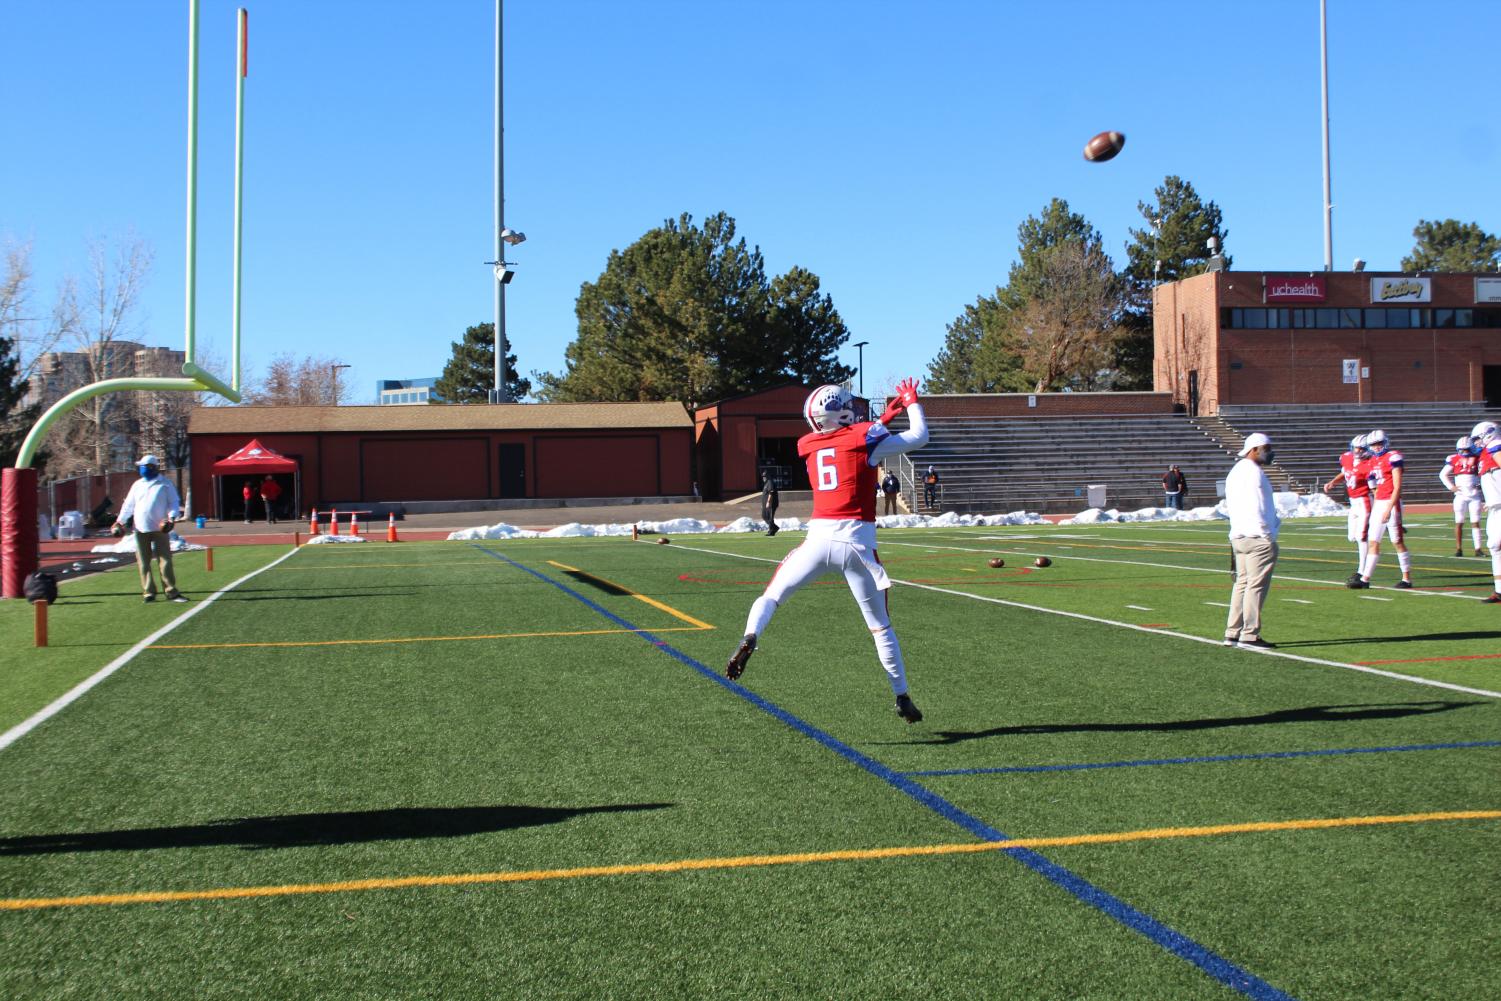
40	587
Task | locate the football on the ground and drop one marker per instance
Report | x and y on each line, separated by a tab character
662	541
997	563
1042	561
1104	146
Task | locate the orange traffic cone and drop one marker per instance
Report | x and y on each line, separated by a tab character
333	522
354	524
391	528
312	529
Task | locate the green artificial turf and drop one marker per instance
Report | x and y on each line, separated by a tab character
218	759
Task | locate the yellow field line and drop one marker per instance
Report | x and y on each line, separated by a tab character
415	639
730	862
653	602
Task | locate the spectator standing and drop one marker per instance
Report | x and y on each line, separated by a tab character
770	499
248	493
1174	487
270	491
152	505
890	488
1253	536
930	487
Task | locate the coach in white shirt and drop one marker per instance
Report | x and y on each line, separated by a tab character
1253	536
151	506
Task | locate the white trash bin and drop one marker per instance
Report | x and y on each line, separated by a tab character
70	525
1095	493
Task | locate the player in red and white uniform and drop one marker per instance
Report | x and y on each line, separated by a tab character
1488	437
1358	489
1461	475
1384	469
842	457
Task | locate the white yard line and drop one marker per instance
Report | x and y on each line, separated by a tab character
1298	601
77	692
1144	629
1218	604
1139	608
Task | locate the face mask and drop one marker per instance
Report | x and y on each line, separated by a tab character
147	472
1268	454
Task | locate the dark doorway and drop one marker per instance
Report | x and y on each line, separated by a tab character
1193	392
1490	376
513	470
779	457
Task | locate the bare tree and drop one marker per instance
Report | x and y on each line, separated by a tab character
31	334
95	436
293	382
1069	326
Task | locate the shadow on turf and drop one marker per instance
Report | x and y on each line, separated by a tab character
1307	714
1415	638
303	829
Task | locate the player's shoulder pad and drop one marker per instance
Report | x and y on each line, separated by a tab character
1395	458
875	431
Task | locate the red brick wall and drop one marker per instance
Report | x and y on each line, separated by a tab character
1304	366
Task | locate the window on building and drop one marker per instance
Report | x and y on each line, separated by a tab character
1464	317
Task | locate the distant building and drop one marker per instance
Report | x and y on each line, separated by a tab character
389	392
58	373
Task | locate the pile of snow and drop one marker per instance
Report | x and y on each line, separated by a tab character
696	526
1289	505
127	544
326	540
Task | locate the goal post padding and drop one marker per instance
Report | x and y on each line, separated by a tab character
18	529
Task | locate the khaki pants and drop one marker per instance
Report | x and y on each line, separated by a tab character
1254	560
890	500
155	545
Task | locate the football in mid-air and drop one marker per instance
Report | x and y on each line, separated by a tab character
1104	146
997	563
1042	561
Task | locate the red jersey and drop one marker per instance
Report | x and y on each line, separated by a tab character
1381	468
1463	464
844	481
1356	485
1490	477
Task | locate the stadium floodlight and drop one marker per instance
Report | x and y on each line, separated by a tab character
512	237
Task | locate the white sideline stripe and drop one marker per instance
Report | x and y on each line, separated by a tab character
1175	566
1139	608
77	692
1151	632
1372	597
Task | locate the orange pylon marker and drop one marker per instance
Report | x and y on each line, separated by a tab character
296	540
208	558
391	528
41	623
312	529
635	532
354	523
333	522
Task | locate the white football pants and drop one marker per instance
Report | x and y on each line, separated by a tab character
868	583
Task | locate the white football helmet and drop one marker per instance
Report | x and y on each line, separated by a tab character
1464	444
1376	442
1357	444
1485	432
829	408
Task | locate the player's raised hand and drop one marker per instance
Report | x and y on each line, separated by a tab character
893	408
906	392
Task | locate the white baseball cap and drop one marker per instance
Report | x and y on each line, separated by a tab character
148	460
1255	440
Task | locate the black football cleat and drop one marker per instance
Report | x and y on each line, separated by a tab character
1257	644
1461	552
1404	584
1353	577
1357	583
736	667
907	709
1494	599
1481	552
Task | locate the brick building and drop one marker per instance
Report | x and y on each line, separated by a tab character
1243	337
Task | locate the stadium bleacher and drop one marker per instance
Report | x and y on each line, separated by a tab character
1046	464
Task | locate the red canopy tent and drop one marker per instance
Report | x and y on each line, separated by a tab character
253	459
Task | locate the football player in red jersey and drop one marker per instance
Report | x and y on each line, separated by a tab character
1461	475
1384	468
1358	489
1488	437
842	457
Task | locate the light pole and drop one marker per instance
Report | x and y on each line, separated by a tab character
859	346
333	372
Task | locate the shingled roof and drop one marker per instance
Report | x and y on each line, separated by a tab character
439	417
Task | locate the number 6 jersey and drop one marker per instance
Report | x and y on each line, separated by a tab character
844	481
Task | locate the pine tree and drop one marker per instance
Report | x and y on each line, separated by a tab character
469	374
15	420
1450	245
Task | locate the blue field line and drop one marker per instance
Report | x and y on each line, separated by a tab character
1175	942
1207	760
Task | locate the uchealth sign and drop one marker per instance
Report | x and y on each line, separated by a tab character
1401	289
1300	288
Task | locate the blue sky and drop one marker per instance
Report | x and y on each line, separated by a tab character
890	147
